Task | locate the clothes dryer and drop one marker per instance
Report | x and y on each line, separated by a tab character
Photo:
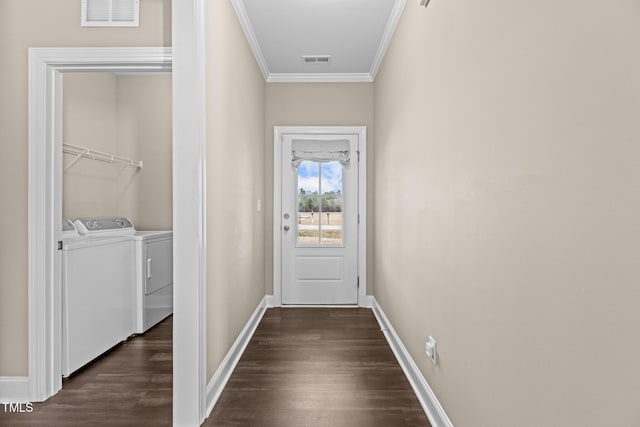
154	277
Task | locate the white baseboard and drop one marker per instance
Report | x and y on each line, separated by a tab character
14	389
319	306
368	303
430	405
224	371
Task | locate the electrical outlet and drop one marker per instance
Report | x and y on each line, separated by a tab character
430	350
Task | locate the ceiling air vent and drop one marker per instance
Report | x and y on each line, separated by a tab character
316	59
110	13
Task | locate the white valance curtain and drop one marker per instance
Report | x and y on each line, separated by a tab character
320	151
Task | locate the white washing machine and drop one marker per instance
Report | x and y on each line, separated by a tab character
154	277
98	291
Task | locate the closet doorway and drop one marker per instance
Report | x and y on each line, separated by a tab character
48	68
117	163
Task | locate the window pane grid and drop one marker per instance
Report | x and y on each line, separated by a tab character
320	204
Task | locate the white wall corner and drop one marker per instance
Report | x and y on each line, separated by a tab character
14	390
224	371
369	301
389	30
428	400
271	301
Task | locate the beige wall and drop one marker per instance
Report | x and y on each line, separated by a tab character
129	116
40	23
235	181
507	205
145	133
316	104
89	188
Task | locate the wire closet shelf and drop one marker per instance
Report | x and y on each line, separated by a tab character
90	153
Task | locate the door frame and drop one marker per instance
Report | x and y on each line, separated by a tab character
278	135
46	69
187	61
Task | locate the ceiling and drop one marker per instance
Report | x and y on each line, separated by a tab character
353	33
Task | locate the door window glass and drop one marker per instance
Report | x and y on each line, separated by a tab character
320	204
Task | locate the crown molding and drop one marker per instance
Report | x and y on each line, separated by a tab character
389	30
319	78
245	23
247	27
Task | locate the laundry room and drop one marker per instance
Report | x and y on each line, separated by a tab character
117	198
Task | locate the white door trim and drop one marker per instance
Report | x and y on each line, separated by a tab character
189	215
45	191
278	133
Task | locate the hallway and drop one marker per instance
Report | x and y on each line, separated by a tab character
318	367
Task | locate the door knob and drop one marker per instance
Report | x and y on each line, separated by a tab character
285	228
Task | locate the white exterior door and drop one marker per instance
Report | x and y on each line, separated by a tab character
319	219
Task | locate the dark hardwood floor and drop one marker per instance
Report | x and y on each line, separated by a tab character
129	386
303	367
318	367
